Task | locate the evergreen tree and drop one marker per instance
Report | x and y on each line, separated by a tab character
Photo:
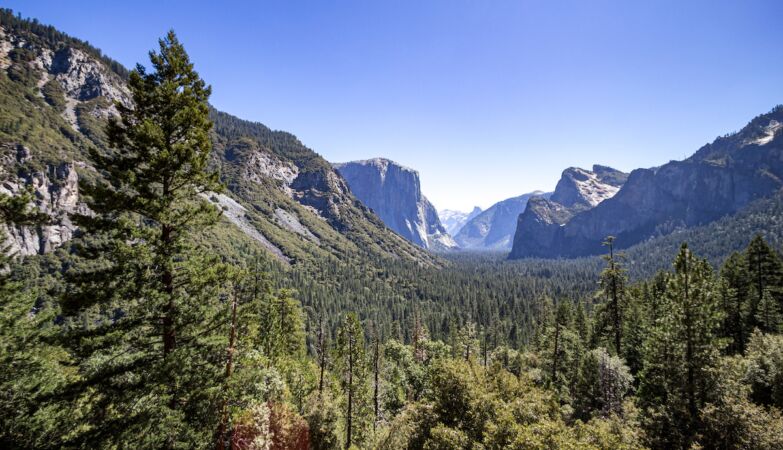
767	314
150	362
560	349
734	292
351	366
602	385
765	273
29	365
635	327
681	353
613	282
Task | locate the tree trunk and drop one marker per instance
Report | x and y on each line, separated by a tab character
229	369
691	388
349	416
556	354
322	356
376	370
615	301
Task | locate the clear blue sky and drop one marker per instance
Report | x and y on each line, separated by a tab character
487	99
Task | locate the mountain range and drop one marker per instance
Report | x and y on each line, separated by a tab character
720	179
283	199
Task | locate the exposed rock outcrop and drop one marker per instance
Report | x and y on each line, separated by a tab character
577	191
56	193
393	192
719	179
280	193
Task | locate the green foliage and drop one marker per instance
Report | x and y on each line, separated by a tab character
54	95
603	383
681	353
352	369
764	373
151	360
48	35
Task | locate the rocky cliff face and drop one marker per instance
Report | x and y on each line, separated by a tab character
453	221
55	192
493	229
719	179
578	190
282	195
393	192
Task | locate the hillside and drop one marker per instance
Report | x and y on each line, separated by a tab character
56	94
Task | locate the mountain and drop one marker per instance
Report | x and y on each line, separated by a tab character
578	190
56	94
718	180
493	229
453	220
393	192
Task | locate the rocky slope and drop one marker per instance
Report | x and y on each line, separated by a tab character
453	221
577	191
393	192
493	229
283	198
718	180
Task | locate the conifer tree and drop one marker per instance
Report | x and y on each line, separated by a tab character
28	364
351	366
613	281
767	313
682	351
765	273
734	293
149	364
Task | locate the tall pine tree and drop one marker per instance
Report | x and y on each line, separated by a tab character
149	356
681	353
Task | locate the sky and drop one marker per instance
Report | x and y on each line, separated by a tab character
486	99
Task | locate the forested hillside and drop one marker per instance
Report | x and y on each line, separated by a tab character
176	277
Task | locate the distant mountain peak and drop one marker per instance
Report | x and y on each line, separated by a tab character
493	228
454	220
393	192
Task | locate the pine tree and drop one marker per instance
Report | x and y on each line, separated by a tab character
613	282
560	348
321	352
29	364
734	292
351	366
765	273
376	371
149	362
682	351
767	313
467	341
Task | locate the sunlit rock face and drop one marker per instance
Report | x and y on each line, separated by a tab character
393	192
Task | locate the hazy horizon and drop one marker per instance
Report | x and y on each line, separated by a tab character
486	100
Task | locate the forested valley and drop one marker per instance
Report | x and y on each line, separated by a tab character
156	328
